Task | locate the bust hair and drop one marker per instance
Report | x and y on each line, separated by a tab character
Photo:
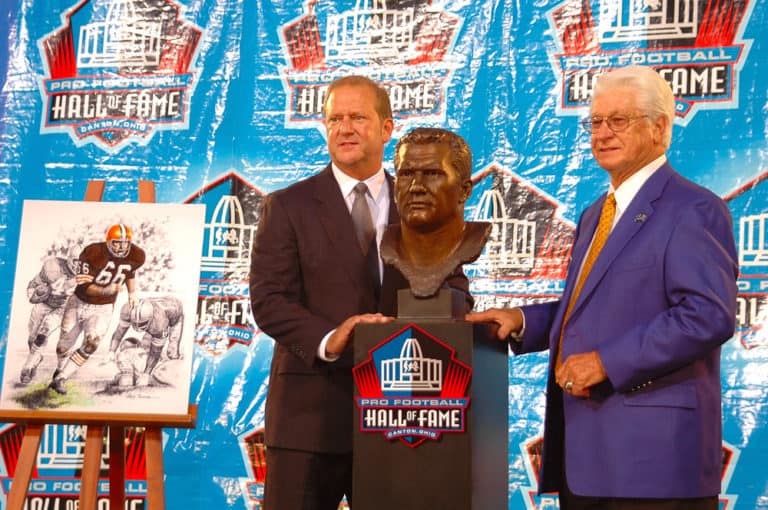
461	155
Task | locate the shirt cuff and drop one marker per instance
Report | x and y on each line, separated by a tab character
321	349
518	337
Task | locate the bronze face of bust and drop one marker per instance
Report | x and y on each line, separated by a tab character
433	169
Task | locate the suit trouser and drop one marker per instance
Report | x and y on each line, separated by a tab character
299	480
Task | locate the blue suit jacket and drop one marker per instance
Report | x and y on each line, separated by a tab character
657	305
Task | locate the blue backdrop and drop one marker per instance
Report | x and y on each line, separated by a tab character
218	102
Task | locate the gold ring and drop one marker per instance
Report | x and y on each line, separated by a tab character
568	386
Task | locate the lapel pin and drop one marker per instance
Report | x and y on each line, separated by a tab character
640	218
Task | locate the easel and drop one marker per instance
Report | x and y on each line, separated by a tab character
35	421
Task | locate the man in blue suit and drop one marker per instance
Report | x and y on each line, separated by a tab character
633	416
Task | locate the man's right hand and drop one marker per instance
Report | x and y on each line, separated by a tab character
510	320
341	336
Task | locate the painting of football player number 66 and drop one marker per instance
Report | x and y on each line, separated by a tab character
103	309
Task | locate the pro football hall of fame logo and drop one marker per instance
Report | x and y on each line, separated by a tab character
56	480
117	71
224	316
695	45
403	44
412	388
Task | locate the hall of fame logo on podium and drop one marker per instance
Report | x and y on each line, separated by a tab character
412	388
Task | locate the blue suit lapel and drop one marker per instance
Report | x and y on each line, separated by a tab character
583	240
638	213
584	233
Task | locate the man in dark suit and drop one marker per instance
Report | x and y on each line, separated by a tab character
633	414
312	280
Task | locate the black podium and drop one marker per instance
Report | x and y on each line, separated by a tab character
431	402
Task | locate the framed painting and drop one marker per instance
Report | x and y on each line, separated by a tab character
103	308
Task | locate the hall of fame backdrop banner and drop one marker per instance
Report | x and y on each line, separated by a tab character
218	102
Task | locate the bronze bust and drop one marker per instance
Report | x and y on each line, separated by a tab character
433	181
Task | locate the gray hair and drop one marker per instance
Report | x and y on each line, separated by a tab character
654	95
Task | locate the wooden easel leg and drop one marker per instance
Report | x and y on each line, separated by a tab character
27	459
94	191
153	437
147	191
116	466
89	482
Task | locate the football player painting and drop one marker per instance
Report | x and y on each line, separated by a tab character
104	268
161	319
48	292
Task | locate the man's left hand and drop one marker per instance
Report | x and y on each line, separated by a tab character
580	371
338	340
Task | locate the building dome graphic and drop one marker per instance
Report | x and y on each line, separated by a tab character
411	371
512	241
370	30
228	237
129	36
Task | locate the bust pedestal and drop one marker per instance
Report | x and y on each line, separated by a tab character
431	406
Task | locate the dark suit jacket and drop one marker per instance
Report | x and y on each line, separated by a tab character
307	276
657	305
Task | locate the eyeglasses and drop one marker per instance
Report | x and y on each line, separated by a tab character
616	123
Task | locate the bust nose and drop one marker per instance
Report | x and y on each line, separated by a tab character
417	183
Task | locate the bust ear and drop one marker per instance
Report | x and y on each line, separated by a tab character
466	190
